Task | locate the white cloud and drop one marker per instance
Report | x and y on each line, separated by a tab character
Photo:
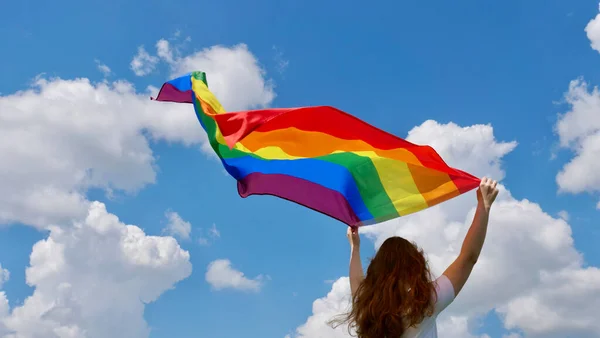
457	327
464	145
529	264
176	226
512	335
213	232
164	51
281	64
593	32
567	298
93	278
579	130
221	275
4	305
63	137
211	235
4	312
143	63
104	69
324	309
4	276
564	215
230	71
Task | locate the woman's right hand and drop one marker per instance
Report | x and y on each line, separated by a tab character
486	195
353	237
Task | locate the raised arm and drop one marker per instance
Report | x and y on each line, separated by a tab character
459	271
356	270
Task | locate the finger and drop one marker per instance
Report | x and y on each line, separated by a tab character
494	184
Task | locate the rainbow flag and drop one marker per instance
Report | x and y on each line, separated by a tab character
321	158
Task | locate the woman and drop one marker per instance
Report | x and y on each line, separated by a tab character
397	298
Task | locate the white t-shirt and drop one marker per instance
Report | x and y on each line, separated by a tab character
428	328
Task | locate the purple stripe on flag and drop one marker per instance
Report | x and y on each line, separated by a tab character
170	93
300	191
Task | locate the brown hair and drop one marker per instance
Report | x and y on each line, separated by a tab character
395	294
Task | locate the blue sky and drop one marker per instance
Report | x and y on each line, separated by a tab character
394	64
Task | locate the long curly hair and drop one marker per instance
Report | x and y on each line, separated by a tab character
395	294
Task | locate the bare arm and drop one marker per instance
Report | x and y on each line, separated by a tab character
356	270
459	271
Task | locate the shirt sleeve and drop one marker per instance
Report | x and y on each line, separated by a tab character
445	294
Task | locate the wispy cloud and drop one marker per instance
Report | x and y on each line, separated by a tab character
564	215
211	235
143	63
281	64
4	275
103	68
176	226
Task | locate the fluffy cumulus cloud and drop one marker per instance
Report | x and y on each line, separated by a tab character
92	279
93	274
228	62
529	265
336	302
593	32
234	73
62	137
579	130
221	275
